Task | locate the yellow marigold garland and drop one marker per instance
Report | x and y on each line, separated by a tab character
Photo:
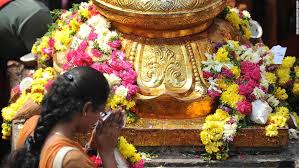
284	70
296	88
239	19
116	100
271	77
222	55
296	119
277	120
281	94
296	68
231	96
212	133
128	151
288	62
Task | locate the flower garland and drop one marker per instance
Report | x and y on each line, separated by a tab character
129	152
61	32
34	92
284	71
240	78
96	46
287	81
213	133
288	75
239	19
277	120
89	42
295	89
296	119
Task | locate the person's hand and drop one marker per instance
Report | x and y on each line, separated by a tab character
107	133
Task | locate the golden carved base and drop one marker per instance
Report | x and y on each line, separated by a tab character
154	132
167	107
169	71
170	80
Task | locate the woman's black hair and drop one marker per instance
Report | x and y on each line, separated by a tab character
66	97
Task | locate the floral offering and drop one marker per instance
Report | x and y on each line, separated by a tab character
96	46
239	19
85	37
244	82
35	92
61	32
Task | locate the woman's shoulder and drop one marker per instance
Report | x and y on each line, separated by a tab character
56	142
52	146
71	151
76	158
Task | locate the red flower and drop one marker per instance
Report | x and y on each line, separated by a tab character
207	74
66	66
140	164
226	72
93	10
70	55
104	68
51	42
92	36
213	93
247	88
218	76
83	45
96	53
83	61
133	89
96	160
244	107
250	70
48	51
48	85
128	76
114	44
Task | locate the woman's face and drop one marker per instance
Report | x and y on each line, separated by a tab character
90	117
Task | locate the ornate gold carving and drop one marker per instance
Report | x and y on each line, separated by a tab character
162	65
132	52
160	18
199	87
179	91
158	5
162	33
164	69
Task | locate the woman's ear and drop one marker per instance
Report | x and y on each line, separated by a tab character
87	108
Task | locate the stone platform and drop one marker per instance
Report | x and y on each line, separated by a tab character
287	157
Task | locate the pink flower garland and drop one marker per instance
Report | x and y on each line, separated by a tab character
115	65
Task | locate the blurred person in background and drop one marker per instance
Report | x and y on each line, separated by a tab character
21	23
